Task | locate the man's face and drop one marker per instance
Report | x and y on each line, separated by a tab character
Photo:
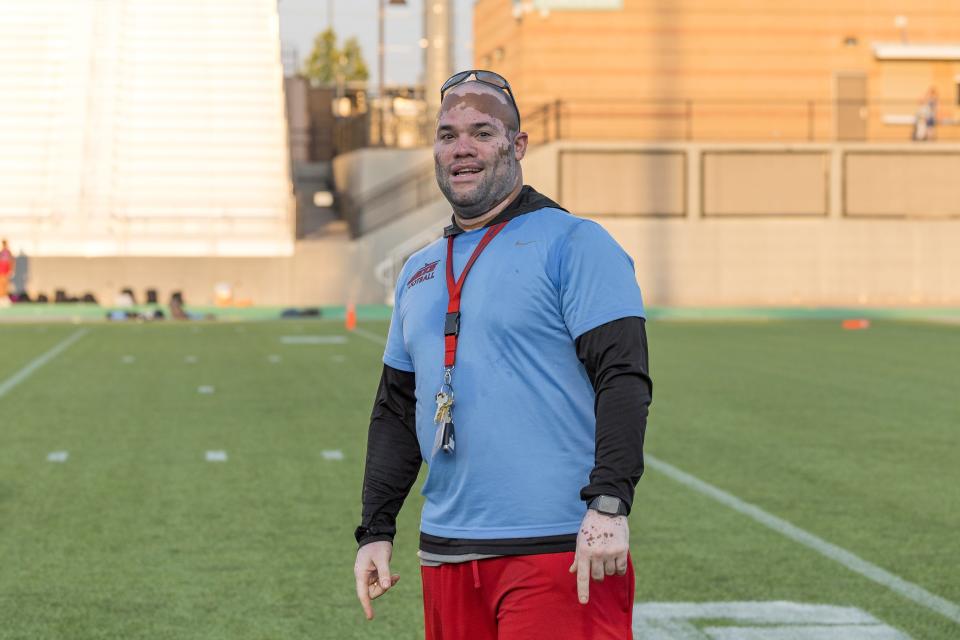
477	151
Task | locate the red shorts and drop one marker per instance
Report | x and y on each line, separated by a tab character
524	598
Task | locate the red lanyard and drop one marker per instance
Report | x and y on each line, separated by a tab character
451	327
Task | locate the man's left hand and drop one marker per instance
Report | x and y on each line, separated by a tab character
602	546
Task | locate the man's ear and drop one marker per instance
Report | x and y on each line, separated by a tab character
520	145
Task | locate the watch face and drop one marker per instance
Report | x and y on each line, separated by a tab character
608	504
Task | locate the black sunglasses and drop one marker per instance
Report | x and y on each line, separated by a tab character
486	77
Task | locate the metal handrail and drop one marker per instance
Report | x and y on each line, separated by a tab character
552	120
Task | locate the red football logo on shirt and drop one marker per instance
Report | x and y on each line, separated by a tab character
426	272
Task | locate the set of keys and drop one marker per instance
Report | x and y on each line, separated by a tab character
444	420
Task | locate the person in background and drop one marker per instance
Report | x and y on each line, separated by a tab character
7	271
926	120
21	275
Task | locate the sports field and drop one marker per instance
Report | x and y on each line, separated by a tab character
202	481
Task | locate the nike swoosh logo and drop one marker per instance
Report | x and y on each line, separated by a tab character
523	244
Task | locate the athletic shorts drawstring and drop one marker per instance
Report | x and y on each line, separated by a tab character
476	574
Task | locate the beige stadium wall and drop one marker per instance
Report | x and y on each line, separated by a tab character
318	273
326	271
712	224
707	225
750	69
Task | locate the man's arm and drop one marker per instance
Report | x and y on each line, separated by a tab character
615	357
393	462
393	456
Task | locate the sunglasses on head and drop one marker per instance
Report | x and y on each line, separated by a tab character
486	77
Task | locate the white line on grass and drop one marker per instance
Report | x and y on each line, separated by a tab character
370	335
332	454
274	358
216	456
313	339
206	390
39	361
58	456
838	554
757	621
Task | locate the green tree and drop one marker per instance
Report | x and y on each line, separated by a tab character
329	63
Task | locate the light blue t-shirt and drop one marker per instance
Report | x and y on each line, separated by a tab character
524	405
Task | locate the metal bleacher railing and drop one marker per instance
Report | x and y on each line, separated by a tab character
725	120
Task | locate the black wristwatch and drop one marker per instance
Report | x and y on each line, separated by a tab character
608	506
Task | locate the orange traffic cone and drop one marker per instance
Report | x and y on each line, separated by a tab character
855	324
350	320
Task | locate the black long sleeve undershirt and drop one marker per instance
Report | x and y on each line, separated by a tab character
393	456
615	358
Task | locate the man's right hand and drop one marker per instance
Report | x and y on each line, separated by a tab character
372	571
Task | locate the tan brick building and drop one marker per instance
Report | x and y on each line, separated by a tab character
725	69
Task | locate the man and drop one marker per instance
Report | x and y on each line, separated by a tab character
523	386
7	270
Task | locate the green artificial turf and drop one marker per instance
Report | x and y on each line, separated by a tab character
850	435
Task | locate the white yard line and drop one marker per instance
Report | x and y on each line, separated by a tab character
838	554
370	335
39	361
332	454
757	621
334	339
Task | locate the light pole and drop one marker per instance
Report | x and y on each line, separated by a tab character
381	49
380	57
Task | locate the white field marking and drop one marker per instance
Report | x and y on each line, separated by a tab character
206	390
190	359
58	456
39	361
811	632
313	340
757	621
332	454
840	555
216	456
128	359
338	358
274	358
370	335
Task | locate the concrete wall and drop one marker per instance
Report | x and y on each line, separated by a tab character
319	272
329	270
897	183
706	225
360	172
770	224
